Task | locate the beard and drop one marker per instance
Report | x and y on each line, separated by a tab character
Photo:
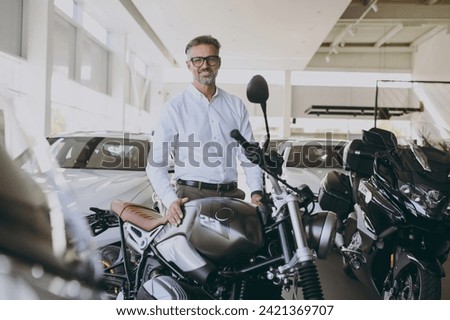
207	77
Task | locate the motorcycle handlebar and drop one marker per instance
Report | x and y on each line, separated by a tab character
236	135
101	220
270	164
252	150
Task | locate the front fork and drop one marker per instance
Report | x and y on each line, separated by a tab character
303	259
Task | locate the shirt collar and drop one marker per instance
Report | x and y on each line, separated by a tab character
194	91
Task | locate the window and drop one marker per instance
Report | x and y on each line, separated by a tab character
77	54
138	87
138	93
64	48
316	155
95	29
106	153
11	26
94	66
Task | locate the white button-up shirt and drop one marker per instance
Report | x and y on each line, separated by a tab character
197	132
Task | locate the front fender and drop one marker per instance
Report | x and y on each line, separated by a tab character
406	258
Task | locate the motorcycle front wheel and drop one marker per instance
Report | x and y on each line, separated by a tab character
412	283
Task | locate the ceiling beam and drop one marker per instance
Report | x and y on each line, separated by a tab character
427	36
368	49
340	37
139	18
389	35
401	10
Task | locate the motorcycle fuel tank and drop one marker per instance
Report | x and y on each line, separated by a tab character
219	230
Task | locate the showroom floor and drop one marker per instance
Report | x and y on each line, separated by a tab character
336	285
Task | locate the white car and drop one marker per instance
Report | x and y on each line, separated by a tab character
308	161
103	166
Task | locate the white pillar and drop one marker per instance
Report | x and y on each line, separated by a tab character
39	57
118	67
287	105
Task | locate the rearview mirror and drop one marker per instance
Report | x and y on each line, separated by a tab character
258	92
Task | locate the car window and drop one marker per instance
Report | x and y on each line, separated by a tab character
316	155
100	153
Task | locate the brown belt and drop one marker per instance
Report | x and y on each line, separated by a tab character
210	186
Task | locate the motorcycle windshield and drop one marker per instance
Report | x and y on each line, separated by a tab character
426	178
430	150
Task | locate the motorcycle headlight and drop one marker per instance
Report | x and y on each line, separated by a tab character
320	232
426	202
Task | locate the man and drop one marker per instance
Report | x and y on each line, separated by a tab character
195	127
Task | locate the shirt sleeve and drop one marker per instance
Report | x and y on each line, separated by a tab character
158	159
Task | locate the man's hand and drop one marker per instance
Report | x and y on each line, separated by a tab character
256	199
174	212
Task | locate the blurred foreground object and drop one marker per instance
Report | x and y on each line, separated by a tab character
45	249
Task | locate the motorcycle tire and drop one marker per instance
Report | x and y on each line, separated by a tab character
108	256
413	283
258	290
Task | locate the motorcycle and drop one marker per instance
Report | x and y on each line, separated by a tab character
224	248
393	215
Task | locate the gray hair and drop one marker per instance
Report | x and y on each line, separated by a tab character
205	39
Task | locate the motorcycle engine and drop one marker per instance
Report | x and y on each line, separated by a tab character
162	288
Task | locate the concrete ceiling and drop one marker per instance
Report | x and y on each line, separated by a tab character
381	35
281	34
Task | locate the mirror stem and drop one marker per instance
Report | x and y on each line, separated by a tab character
266	142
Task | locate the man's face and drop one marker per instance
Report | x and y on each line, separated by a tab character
206	73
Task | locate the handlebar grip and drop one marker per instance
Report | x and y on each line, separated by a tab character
236	135
252	150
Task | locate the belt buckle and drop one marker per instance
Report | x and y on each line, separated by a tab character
225	187
199	185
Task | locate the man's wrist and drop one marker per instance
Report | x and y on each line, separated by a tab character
259	192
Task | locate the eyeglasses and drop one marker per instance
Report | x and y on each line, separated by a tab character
210	60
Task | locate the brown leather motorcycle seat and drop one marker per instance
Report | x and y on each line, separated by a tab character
141	216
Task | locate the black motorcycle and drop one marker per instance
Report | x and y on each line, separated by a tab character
225	248
393	214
